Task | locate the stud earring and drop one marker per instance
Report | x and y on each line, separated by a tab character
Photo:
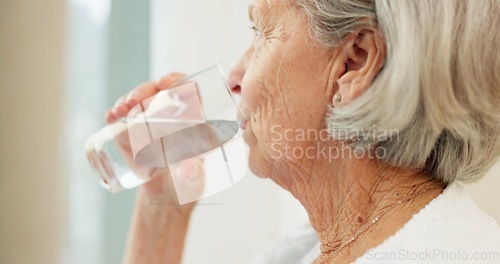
337	98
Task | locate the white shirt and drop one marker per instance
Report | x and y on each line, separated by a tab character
450	229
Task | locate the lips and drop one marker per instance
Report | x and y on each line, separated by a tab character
243	124
243	115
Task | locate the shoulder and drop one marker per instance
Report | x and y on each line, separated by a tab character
453	218
450	226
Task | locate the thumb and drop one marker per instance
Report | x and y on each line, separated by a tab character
190	172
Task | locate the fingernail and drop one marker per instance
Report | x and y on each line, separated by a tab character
194	172
134	96
114	111
131	102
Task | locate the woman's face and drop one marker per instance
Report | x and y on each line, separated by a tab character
284	81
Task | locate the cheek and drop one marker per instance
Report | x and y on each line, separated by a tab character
264	102
281	95
259	91
266	111
276	95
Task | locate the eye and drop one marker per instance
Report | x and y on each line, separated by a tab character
258	32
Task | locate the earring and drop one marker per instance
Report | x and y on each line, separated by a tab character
337	98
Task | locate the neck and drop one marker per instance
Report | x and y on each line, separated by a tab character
344	196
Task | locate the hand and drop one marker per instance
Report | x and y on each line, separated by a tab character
187	179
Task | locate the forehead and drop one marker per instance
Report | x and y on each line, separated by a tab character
262	7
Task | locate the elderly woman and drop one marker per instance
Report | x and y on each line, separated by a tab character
408	95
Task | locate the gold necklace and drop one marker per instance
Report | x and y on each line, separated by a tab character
375	220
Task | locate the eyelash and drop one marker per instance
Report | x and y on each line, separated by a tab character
257	31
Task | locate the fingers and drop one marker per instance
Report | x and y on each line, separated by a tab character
121	109
110	117
168	81
113	114
139	94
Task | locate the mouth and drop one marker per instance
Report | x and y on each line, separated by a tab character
243	124
243	117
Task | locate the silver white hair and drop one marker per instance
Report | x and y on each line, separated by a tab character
440	85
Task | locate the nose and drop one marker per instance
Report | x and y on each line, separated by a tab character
235	78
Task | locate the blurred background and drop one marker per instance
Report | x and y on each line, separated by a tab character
62	64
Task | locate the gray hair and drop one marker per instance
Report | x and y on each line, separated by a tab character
439	86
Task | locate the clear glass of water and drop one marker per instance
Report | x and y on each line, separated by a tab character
198	118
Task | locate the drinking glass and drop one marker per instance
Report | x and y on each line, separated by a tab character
198	118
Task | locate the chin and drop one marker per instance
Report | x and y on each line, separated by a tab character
256	163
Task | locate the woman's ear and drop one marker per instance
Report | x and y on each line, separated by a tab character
364	56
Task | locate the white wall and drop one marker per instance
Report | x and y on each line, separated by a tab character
32	195
234	225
